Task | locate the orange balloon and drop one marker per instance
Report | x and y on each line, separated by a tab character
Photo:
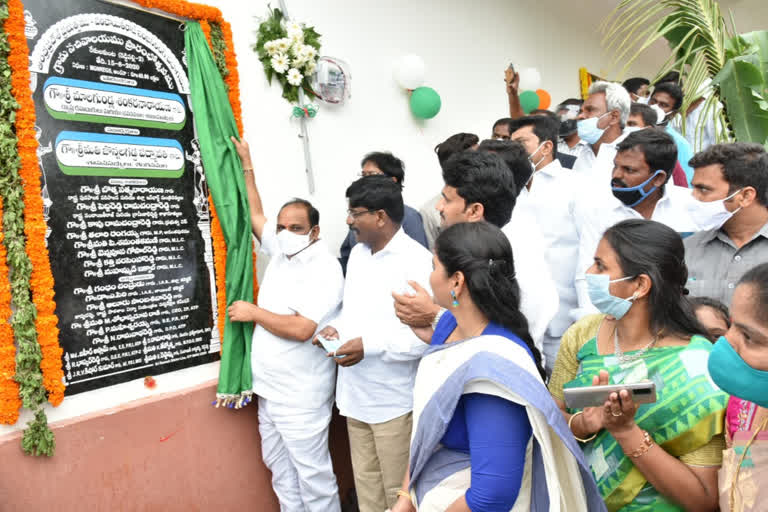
545	100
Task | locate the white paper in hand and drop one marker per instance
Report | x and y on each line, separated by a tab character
331	346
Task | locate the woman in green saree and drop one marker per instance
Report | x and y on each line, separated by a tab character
658	457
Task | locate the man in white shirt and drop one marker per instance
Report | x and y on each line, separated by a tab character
548	196
600	124
700	134
643	166
479	186
301	289
379	355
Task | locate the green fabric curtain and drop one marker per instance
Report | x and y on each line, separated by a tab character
215	124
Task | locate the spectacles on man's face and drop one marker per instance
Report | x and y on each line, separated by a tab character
355	214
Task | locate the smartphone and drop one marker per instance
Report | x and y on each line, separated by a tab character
331	346
596	396
511	67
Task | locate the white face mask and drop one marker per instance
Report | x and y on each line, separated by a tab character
644	99
530	158
711	214
291	243
660	114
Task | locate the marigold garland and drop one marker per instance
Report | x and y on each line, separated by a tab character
206	28
15	128
219	267
9	388
38	438
233	77
41	279
184	9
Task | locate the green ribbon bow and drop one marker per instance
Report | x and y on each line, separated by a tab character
309	110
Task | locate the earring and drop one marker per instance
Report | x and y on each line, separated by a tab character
455	302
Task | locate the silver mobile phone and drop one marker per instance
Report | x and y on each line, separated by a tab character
596	396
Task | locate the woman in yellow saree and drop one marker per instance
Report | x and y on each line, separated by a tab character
662	456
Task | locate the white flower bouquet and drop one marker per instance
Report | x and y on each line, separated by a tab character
288	51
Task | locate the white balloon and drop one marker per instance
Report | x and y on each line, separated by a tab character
409	72
530	79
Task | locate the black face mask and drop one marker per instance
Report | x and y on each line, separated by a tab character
632	196
567	127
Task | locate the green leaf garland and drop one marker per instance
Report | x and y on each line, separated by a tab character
38	438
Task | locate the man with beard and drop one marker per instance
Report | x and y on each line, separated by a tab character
642	168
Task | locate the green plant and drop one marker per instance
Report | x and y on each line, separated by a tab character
288	51
712	61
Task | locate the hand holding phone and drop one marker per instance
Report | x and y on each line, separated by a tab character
596	396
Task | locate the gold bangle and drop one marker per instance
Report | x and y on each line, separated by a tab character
643	449
250	169
570	420
403	494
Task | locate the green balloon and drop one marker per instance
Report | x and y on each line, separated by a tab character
529	100
425	102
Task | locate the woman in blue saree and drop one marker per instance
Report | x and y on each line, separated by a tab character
487	436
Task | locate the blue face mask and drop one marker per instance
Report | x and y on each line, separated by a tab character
588	130
598	286
734	376
633	196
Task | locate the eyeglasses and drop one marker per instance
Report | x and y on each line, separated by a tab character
355	215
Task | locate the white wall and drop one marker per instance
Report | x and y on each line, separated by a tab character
466	47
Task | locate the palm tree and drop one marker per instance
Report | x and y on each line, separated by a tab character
733	69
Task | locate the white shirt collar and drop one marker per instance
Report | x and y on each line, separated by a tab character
551	169
393	246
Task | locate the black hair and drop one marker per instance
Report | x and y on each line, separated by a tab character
709	302
312	213
758	278
634	84
545	128
656	250
377	193
744	164
657	146
650	117
672	76
674	90
570	101
515	156
388	163
504	120
482	177
541	112
455	144
482	253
